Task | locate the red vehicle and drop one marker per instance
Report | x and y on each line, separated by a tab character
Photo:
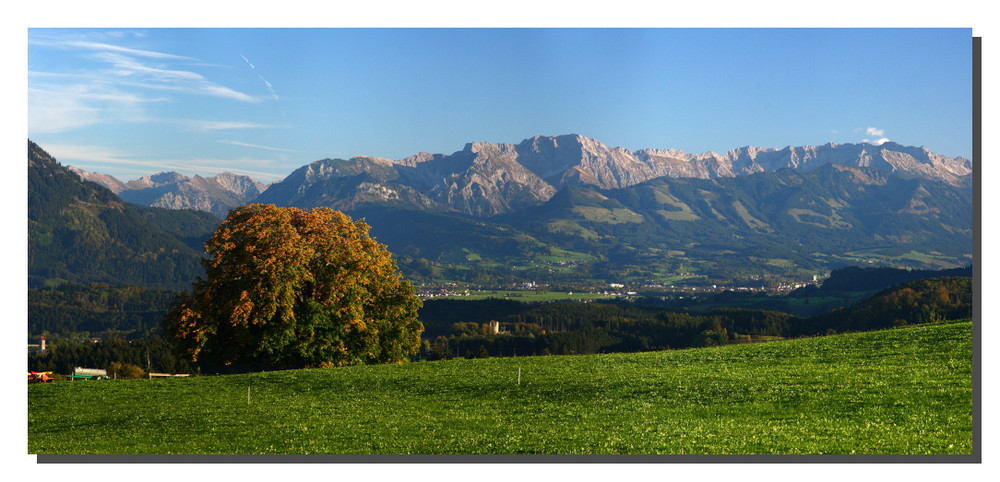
39	377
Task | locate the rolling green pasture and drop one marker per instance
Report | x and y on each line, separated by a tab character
901	391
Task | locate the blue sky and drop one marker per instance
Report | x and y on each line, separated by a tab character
265	102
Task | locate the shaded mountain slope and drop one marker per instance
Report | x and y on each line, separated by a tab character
83	232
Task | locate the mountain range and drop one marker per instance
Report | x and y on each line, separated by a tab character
570	209
172	190
488	179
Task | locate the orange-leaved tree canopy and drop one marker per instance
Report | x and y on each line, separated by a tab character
288	288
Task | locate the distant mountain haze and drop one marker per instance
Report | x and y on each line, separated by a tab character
172	190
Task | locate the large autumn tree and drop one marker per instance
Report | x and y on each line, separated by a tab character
289	288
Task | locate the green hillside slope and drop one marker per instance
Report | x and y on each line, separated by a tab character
80	231
901	391
786	223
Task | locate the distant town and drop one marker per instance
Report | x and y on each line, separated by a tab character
544	291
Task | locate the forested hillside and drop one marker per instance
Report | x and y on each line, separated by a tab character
99	310
82	232
853	278
921	301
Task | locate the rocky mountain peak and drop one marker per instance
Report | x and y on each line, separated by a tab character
165	177
155	180
172	190
420	157
487	148
105	180
245	187
373	159
321	169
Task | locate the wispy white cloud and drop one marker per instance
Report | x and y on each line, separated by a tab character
244	144
91	155
125	167
61	108
270	87
118	86
874	131
158	77
226	92
127	66
125	50
226	125
91	45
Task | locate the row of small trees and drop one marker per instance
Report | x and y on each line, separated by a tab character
130	358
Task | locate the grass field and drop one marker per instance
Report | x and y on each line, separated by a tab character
901	391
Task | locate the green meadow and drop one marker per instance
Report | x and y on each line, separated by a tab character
901	391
